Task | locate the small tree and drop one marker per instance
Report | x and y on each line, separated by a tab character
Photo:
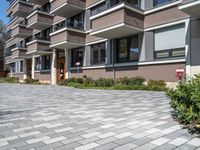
3	38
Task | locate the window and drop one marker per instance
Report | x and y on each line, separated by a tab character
98	54
160	2
21	66
77	56
170	53
98	9
46	62
127	49
13	67
170	42
76	22
37	63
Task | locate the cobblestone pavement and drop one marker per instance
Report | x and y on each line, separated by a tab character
60	118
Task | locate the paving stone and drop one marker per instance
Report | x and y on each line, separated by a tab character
195	142
128	146
186	147
166	147
178	141
87	146
160	141
108	146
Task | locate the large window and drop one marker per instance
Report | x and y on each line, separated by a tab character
38	63
127	49
13	67
77	57
161	2
170	42
21	66
98	54
46	62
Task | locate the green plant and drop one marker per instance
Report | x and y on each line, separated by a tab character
63	82
101	82
31	81
8	80
185	100
131	81
156	85
88	81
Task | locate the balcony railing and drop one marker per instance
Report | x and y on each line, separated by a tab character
112	3
42	9
68	24
41	38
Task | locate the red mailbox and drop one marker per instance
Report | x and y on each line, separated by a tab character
179	73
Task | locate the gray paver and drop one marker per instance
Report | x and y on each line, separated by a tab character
40	117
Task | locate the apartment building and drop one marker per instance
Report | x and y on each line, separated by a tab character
51	40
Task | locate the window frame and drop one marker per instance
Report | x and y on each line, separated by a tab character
127	59
76	52
39	67
99	50
44	63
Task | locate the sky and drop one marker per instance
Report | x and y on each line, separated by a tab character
3	6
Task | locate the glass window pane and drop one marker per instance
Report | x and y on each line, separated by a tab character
178	53
162	54
77	56
123	50
134	50
102	53
21	66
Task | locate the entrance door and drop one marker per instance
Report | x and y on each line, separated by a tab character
61	69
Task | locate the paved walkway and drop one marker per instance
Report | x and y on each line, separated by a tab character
60	118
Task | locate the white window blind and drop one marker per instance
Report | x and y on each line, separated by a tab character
170	38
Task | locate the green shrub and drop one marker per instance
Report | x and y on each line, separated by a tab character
31	81
131	81
63	82
101	82
185	100
8	80
156	85
89	81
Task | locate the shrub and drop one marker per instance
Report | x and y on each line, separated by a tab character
185	100
31	81
8	80
89	81
131	81
101	82
156	85
63	82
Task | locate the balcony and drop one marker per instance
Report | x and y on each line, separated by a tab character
20	8
67	8
40	20
39	2
67	35
191	7
38	46
19	52
117	20
21	31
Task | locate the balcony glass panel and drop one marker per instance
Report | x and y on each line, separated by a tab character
112	3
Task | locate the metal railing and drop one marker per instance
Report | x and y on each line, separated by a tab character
112	3
68	24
